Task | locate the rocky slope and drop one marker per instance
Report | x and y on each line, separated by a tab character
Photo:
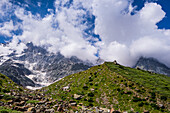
40	66
112	86
106	88
152	65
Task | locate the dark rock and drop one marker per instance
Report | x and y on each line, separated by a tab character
115	62
116	112
16	72
17	99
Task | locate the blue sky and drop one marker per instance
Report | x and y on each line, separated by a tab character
121	30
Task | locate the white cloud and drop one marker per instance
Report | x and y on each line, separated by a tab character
67	38
5	7
158	48
14	45
7	28
125	37
117	51
152	13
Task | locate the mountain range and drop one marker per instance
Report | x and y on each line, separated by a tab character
36	67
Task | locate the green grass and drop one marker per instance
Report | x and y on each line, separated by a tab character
7	97
115	86
6	110
158	83
7	85
32	101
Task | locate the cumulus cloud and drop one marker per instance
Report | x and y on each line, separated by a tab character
124	37
7	28
67	38
127	37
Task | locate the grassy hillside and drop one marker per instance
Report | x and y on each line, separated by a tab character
7	87
7	90
114	86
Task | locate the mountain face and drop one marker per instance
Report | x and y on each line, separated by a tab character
17	73
152	65
37	64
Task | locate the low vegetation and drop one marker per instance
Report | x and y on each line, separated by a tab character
106	86
7	110
114	86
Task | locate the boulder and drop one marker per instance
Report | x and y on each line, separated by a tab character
66	88
115	62
73	103
10	102
31	109
19	108
49	111
41	102
56	106
105	110
38	111
77	97
60	109
21	103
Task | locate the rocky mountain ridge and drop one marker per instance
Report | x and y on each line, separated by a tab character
17	72
152	65
43	67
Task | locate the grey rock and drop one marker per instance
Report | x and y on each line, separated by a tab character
77	96
152	65
49	111
73	103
